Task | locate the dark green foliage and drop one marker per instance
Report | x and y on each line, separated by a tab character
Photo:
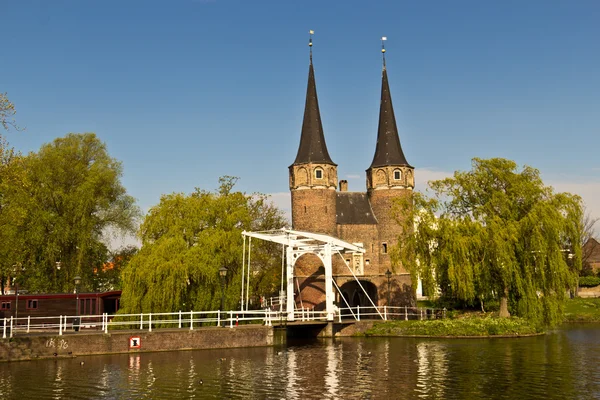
187	238
466	326
55	206
589	281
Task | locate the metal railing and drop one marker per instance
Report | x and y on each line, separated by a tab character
389	313
195	319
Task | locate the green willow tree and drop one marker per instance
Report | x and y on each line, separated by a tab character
60	201
11	214
495	233
11	178
187	238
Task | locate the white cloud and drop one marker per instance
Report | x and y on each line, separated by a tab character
589	192
114	241
424	175
283	201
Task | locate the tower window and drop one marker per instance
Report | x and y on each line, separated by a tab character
384	248
397	174
304	209
318	173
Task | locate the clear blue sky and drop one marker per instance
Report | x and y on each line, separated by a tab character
185	91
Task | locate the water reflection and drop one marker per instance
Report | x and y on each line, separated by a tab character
565	364
291	392
331	377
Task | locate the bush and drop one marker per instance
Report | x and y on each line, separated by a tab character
466	326
589	281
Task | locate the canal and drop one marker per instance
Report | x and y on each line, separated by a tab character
564	364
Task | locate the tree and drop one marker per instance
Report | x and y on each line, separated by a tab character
496	233
187	238
7	113
59	202
589	246
108	277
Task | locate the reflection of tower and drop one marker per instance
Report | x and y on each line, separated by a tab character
292	391
331	379
313	175
390	176
432	369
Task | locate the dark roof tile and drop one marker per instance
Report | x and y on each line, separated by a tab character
354	208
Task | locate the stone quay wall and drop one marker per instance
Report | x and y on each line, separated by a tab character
39	346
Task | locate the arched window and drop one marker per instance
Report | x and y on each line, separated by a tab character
397	174
318	173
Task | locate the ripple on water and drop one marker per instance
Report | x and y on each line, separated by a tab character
561	365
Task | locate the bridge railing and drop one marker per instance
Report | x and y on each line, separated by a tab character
143	321
389	313
196	319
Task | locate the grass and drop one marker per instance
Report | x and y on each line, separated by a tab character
582	310
472	325
462	324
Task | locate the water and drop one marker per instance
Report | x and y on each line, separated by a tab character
564	364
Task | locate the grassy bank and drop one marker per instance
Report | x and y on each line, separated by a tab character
582	310
465	326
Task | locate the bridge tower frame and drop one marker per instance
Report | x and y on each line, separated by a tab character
298	243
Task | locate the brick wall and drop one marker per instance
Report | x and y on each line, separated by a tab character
50	346
383	203
314	210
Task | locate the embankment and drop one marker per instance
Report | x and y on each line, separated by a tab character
38	346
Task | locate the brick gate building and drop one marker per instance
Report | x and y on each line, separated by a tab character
356	217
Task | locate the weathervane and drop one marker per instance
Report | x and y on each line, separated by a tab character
383	39
310	33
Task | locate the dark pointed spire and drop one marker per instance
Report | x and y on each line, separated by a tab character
312	147
388	150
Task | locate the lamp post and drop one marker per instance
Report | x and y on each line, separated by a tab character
222	275
77	281
388	274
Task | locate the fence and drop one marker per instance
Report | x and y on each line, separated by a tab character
194	319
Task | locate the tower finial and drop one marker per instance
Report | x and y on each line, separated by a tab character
310	33
383	39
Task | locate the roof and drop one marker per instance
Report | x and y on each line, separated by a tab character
591	251
25	296
388	150
313	148
354	208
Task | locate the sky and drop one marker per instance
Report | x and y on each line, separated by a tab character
185	91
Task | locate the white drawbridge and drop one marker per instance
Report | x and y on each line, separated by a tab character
296	244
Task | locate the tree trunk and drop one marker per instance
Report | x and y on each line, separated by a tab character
504	305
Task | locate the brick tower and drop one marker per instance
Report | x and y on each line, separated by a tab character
313	175
390	176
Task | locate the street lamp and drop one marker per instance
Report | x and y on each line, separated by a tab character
77	281
388	274
222	275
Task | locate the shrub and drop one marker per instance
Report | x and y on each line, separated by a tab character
589	281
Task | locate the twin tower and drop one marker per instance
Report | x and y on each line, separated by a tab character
356	217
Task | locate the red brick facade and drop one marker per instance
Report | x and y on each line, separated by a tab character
365	217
